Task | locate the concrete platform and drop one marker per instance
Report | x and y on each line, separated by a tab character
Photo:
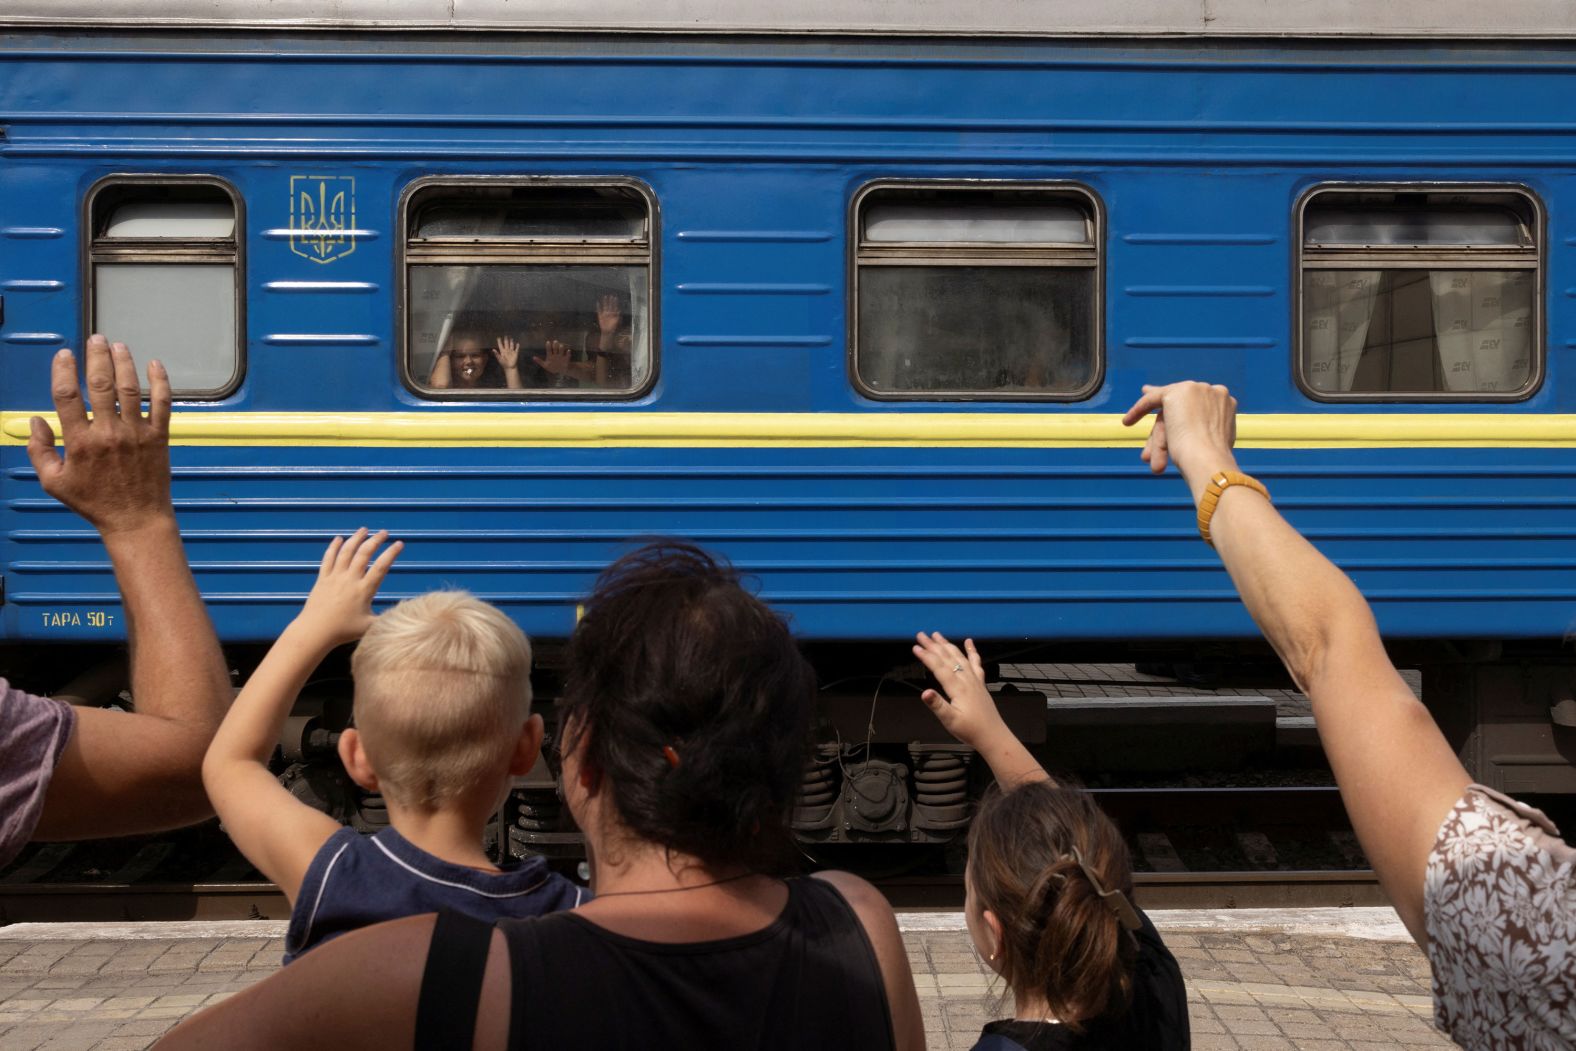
1319	980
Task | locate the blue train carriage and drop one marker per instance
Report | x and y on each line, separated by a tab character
854	293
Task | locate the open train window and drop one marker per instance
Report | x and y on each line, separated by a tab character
164	276
528	288
1420	293
978	292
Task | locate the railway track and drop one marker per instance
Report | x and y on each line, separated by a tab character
1193	847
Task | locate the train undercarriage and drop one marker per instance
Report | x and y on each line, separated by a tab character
883	773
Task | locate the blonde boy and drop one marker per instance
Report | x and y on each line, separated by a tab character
442	721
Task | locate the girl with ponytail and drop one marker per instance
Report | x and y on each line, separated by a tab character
1049	893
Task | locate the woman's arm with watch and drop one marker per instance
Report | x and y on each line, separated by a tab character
1398	776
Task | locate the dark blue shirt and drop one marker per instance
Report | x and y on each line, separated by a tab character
356	881
1156	1020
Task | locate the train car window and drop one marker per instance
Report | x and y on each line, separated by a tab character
1413	294
980	293
164	274
541	289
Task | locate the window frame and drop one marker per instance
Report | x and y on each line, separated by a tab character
959	254
523	252
1389	257
172	251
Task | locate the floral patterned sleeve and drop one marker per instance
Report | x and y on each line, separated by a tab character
1500	904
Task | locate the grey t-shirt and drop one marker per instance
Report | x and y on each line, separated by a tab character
33	733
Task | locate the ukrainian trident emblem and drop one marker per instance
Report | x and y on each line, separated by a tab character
322	216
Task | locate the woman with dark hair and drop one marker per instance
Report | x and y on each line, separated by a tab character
1048	893
686	729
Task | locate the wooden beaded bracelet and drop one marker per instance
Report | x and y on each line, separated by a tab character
1222	481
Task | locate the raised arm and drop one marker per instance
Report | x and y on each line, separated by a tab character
968	711
1398	776
124	773
442	370
276	831
507	351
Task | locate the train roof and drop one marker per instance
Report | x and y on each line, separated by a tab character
1359	19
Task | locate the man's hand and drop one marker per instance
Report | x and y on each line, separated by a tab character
1195	427
116	473
339	609
123	773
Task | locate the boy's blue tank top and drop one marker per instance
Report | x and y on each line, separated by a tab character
356	881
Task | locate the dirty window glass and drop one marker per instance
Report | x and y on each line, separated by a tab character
164	280
977	293
529	290
1419	294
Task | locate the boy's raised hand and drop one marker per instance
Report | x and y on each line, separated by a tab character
276	831
968	712
339	608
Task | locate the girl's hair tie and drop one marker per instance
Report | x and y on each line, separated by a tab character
671	755
1114	899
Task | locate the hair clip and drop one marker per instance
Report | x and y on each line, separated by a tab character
1114	900
671	755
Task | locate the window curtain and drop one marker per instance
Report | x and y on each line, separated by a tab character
639	327
1338	306
1483	328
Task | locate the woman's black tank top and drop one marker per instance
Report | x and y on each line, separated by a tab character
807	980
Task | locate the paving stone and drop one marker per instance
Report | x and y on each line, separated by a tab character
25	1037
1248	991
144	1028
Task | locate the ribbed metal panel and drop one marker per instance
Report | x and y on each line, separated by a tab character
1196	155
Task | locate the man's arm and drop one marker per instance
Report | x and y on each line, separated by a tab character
276	831
122	773
1398	776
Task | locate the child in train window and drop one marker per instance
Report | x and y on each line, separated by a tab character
578	353
556	339
471	361
558	328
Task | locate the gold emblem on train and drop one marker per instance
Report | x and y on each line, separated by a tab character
322	216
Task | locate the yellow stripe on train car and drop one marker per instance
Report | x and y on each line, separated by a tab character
574	429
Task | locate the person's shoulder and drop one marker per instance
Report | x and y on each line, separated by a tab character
558	889
15	703
869	907
1157	966
344	836
1011	1034
855	890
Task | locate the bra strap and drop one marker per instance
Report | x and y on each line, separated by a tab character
451	985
